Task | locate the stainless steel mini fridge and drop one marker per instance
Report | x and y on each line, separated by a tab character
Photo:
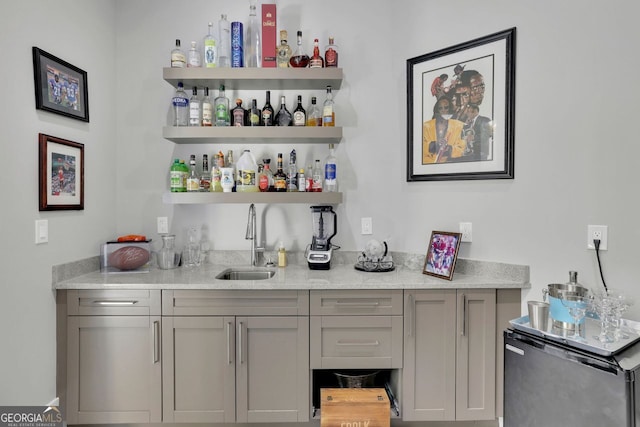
548	383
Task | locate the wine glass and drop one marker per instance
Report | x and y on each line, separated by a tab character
577	307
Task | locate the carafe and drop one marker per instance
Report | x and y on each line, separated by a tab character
167	256
191	252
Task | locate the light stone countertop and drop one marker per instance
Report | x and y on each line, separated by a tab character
85	274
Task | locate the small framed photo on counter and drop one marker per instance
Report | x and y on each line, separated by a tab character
442	254
61	174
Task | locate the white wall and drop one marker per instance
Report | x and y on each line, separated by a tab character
574	149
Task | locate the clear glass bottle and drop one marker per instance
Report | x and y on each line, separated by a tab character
279	178
210	49
284	117
185	174
224	47
180	107
252	41
314	116
178	58
328	113
195	108
299	59
193	181
292	173
308	186
221	106
299	114
207	109
302	181
254	114
317	177
229	163
194	58
316	60
218	162
267	112
283	51
331	171
238	114
331	54
205	177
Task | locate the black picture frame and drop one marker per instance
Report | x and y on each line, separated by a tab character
60	174
473	136
442	254
60	87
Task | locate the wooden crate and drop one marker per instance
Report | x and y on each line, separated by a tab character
354	407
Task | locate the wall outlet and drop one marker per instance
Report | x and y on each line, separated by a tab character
466	231
599	232
366	224
163	225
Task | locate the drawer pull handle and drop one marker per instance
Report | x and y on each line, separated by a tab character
361	343
357	304
156	341
113	303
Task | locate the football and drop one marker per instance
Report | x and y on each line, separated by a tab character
128	258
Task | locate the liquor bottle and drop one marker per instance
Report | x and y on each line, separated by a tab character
210	49
302	181
195	109
316	60
283	118
331	172
279	178
185	174
224	48
180	107
292	173
207	109
283	52
193	56
193	182
328	114
331	54
238	114
229	163
254	114
221	106
178	58
205	178
266	181
299	59
253	45
299	114
218	163
317	177
175	177
314	116
308	185
267	112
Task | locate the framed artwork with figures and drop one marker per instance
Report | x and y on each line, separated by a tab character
460	111
442	254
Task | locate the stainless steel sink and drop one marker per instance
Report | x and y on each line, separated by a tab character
246	273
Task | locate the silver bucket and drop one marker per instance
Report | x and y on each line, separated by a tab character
559	313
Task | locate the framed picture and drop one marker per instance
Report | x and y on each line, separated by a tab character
460	111
61	88
61	174
442	254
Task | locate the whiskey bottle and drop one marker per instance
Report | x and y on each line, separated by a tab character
238	114
283	118
328	114
283	51
331	54
267	112
299	114
279	178
178	58
314	116
299	59
316	60
207	109
254	114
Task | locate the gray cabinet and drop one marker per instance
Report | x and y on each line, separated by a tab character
113	357
236	356
449	355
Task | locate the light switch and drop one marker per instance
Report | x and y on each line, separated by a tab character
42	231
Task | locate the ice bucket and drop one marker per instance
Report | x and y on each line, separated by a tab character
559	313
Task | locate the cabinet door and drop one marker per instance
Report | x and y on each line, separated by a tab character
272	369
429	371
476	355
199	369
113	369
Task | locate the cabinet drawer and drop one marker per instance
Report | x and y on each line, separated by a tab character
81	302
356	302
355	342
235	303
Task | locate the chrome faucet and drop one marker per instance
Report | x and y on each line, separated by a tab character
252	235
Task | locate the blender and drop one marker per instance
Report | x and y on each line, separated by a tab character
325	224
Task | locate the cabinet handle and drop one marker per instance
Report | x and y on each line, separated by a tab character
156	341
357	304
464	315
229	325
240	342
113	303
361	343
411	318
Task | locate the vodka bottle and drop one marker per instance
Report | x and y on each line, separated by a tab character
210	49
317	177
193	56
224	49
195	109
299	59
268	115
316	60
299	114
178	58
207	109
330	172
252	41
283	51
284	117
221	105
314	116
193	181
331	54
205	178
328	114
180	107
